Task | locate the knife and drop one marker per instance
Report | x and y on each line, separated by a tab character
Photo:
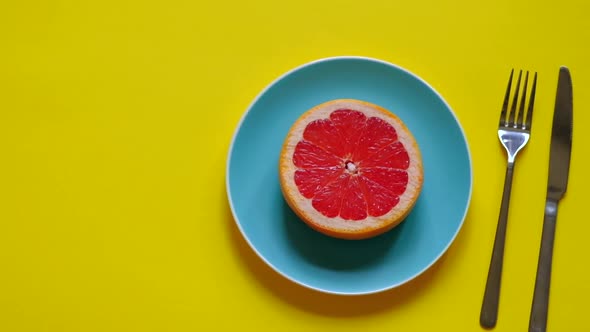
559	162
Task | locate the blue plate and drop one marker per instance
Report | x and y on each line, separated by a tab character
332	265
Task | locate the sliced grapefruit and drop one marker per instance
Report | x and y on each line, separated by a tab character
350	169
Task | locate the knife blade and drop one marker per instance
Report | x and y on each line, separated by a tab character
561	137
559	164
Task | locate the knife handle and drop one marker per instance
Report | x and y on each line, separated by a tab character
489	308
540	307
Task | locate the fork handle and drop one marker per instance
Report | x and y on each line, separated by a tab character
489	309
540	307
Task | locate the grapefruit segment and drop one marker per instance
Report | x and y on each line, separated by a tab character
350	169
354	202
351	125
311	180
391	179
328	200
393	155
309	155
377	134
380	199
324	134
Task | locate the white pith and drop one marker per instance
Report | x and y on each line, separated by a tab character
350	166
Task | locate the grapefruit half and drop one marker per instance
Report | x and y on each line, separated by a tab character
350	169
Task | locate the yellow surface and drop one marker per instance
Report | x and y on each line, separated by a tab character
116	117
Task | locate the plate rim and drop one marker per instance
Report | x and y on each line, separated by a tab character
287	74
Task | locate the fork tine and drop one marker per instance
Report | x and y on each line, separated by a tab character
514	101
529	116
519	123
506	99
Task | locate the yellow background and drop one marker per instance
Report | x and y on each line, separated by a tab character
115	122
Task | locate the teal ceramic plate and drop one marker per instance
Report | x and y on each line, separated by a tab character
342	266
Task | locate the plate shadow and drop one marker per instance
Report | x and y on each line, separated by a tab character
329	304
332	253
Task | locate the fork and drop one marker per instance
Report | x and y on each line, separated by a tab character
514	132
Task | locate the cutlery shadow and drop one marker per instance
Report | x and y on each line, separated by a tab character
329	304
